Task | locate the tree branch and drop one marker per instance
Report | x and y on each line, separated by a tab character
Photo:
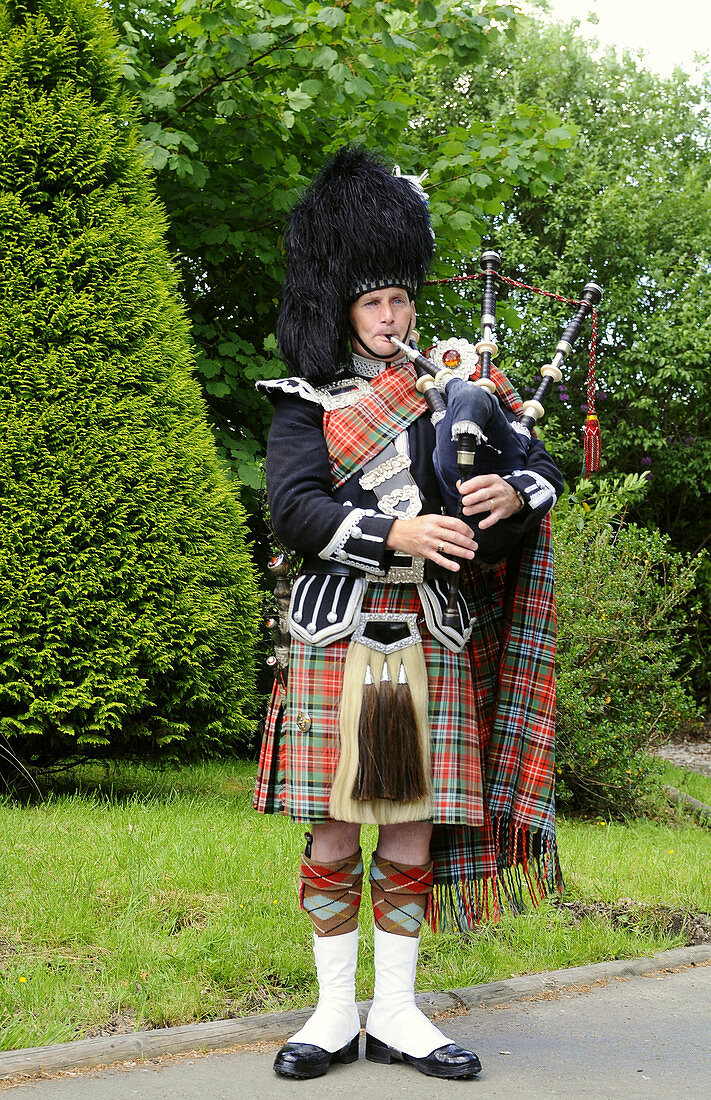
234	72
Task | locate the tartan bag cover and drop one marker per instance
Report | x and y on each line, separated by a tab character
511	854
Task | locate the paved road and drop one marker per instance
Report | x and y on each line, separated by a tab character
647	1036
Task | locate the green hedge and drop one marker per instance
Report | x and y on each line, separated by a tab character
127	597
621	616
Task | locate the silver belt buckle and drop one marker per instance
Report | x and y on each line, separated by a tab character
412	571
404	631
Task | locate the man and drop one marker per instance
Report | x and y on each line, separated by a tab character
392	717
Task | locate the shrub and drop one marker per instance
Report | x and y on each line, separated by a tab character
620	590
696	647
127	596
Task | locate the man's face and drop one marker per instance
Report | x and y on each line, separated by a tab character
376	316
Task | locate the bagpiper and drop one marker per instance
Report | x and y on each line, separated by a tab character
440	735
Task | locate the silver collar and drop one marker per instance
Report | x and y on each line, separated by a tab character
369	368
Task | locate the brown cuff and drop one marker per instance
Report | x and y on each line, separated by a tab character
330	893
400	893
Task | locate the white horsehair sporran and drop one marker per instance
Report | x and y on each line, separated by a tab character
383	776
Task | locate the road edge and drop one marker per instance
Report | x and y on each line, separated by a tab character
278	1026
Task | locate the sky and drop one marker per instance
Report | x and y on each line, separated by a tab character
669	31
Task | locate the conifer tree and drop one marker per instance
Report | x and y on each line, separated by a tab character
127	597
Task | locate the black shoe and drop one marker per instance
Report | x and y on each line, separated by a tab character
448	1061
304	1061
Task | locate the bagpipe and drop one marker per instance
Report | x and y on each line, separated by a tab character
473	434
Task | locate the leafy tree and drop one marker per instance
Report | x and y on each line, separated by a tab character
127	596
632	211
243	99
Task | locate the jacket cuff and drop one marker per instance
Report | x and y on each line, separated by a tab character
538	493
360	540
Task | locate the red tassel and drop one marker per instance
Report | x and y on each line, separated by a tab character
591	444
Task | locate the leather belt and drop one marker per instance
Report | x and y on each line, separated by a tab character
406	570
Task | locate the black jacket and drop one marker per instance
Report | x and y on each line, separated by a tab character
314	518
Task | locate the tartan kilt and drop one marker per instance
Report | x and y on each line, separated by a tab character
296	768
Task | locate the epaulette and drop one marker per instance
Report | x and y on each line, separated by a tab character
335	395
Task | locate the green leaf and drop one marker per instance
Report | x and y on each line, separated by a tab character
427	11
260	41
216	234
509	316
339	73
250	475
209	368
218	389
160	97
556	135
325	57
157	157
358	86
331	17
461	220
298	99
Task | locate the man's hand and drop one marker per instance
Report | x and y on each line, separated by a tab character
489	493
438	538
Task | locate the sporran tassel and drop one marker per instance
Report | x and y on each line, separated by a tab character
364	787
414	780
386	763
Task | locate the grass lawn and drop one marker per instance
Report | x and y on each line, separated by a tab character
161	898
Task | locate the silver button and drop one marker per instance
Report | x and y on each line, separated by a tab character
356	533
332	617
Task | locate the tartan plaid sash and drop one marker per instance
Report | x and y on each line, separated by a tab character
512	654
356	434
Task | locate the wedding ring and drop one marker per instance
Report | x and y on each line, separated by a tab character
440	548
491	504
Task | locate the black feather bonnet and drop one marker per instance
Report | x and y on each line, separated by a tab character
357	227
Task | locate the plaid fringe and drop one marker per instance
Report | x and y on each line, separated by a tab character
528	871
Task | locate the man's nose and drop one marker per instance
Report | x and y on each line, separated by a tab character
386	314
